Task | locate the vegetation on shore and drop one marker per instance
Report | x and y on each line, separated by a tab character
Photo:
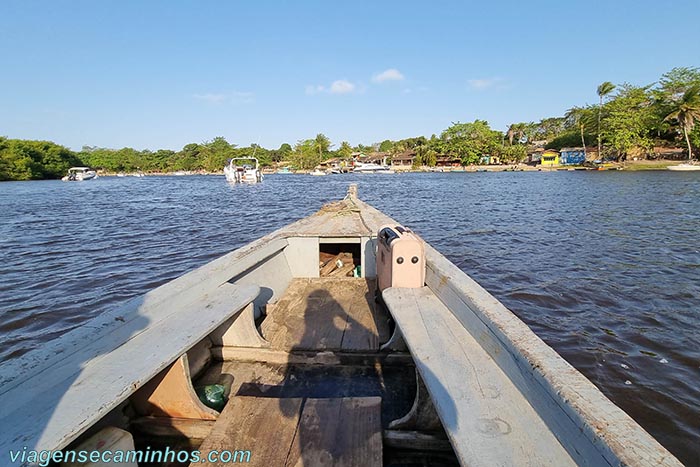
627	121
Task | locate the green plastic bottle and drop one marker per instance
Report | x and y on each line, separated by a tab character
212	395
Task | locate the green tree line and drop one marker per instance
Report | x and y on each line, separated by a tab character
35	160
631	120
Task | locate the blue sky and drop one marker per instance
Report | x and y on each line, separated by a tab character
160	74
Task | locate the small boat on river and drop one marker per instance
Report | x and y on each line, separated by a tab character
339	339
690	166
243	173
371	168
80	174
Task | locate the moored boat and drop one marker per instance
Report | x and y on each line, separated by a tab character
372	168
318	372
79	174
243	173
690	166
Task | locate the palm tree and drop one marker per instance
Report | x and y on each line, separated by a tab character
686	111
520	129
511	133
603	90
322	144
577	116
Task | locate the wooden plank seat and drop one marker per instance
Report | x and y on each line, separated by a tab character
265	431
47	403
488	420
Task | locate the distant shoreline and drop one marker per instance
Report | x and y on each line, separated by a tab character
633	166
628	166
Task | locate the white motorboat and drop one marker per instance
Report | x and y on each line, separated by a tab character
317	172
244	173
690	166
372	168
80	174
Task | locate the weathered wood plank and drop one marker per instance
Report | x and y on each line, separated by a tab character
338	432
296	432
326	313
170	394
264	426
278	326
311	357
361	432
315	443
110	439
173	427
322	322
199	357
362	331
67	398
416	440
487	419
239	331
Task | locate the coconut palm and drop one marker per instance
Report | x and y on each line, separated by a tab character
577	116
603	90
511	133
686	110
322	144
516	129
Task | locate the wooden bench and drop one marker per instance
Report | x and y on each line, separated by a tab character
48	401
261	431
488	420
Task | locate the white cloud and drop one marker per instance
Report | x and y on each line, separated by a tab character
392	74
340	86
220	98
485	83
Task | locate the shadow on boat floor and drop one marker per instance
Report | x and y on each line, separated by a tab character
394	384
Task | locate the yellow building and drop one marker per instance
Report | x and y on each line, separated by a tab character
550	158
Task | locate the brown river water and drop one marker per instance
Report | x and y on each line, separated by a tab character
604	266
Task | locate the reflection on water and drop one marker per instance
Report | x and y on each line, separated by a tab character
605	267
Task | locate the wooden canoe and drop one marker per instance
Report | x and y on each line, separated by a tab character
319	372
